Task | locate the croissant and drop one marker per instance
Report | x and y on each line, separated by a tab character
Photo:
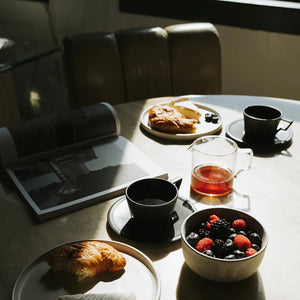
166	119
86	259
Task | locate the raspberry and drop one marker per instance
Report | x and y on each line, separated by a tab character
239	225
241	242
212	219
250	252
204	244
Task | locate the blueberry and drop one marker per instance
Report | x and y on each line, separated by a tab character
229	245
208	117
242	232
239	254
231	230
215	119
193	238
255	238
232	236
255	246
209	253
230	256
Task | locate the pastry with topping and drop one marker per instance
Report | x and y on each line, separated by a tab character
186	108
167	119
86	259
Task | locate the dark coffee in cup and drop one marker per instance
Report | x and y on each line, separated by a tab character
263	122
152	200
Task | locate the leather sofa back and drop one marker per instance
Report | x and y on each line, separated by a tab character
140	63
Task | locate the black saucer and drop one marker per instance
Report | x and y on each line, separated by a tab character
282	140
120	220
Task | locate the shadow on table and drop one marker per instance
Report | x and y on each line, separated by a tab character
192	286
234	200
62	281
154	250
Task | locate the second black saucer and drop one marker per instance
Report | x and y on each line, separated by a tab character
120	220
282	140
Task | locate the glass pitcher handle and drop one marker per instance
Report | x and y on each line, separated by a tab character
249	152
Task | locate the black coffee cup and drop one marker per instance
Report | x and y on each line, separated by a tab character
152	200
263	122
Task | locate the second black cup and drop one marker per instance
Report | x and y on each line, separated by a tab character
263	122
152	200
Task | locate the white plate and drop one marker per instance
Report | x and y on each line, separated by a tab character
202	128
37	281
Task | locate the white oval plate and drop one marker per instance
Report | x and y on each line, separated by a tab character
37	281
202	128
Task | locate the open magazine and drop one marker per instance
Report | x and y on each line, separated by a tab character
66	161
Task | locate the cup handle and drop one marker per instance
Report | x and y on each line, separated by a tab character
249	152
176	181
290	122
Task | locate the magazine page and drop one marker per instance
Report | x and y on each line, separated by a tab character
46	134
63	183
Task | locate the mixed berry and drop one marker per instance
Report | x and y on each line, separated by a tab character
223	239
211	117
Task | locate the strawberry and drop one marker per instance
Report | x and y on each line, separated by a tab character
250	252
204	244
241	242
239	225
212	219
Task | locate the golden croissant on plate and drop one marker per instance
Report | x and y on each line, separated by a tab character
167	119
86	259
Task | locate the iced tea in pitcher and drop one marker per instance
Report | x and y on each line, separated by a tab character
212	180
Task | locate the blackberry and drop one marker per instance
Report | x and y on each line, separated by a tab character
218	247
203	233
220	229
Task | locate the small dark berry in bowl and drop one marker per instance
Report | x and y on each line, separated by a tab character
231	230
218	247
193	238
242	232
229	246
220	229
232	236
255	238
255	246
239	254
203	233
209	253
230	256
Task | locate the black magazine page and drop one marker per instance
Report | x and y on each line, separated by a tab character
51	133
63	181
